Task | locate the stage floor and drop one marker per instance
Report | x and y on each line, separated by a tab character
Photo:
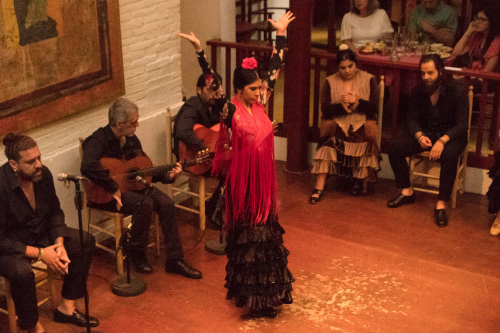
359	267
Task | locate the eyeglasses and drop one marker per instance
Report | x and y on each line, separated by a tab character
480	19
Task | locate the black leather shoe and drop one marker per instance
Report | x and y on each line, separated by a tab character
181	267
140	262
315	196
401	200
441	218
77	318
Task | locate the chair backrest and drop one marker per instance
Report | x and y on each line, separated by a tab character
381	87
471	102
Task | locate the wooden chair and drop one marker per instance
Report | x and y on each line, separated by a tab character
111	224
179	187
43	277
421	178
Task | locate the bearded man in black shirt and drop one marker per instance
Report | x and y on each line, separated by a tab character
437	121
32	228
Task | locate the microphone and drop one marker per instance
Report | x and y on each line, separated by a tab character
64	177
142	181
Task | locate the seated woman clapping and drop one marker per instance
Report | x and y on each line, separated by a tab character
479	47
348	131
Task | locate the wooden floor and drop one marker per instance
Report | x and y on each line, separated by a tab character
358	266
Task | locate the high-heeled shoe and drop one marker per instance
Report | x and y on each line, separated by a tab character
357	188
315	196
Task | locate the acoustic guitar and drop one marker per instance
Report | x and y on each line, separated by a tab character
125	171
209	137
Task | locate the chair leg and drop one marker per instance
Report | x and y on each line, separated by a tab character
201	193
412	169
10	308
52	288
157	234
118	235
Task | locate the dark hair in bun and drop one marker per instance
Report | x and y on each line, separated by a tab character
243	77
14	144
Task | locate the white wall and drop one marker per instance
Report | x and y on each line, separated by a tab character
152	65
207	19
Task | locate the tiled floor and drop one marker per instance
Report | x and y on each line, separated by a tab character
359	267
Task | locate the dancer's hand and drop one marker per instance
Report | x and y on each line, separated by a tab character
194	41
282	23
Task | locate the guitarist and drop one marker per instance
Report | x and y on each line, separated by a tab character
117	140
206	108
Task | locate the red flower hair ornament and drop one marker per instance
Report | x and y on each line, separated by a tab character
249	63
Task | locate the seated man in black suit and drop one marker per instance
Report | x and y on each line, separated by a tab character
118	140
32	228
437	121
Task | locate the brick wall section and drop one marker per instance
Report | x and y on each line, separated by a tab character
151	54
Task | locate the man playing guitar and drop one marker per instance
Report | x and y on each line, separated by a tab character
118	141
206	109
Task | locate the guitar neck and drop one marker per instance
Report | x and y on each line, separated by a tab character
161	170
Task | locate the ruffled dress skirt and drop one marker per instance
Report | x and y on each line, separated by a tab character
257	275
348	156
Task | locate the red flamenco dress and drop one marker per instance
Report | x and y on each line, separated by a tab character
257	275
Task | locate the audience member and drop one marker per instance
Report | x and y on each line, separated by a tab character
365	23
437	120
436	20
348	132
479	47
493	194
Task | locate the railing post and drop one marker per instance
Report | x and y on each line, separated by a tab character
332	37
297	86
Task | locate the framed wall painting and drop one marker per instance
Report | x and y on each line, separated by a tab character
57	57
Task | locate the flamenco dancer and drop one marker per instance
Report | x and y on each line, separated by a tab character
257	276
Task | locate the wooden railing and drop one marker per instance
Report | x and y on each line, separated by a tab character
404	76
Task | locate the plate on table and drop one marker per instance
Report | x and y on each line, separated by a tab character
444	55
365	51
384	53
446	49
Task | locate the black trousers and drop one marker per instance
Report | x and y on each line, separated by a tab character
141	206
406	145
17	269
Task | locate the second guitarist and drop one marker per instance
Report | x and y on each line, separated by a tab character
118	140
206	109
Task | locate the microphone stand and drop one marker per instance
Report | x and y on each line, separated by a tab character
79	207
218	245
126	285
